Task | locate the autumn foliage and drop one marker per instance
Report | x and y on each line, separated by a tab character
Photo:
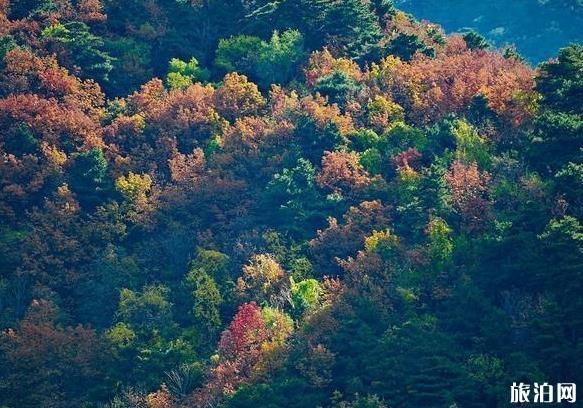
385	225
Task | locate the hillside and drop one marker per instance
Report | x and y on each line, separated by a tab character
538	28
282	204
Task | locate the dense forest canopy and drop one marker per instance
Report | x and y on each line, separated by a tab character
295	203
536	27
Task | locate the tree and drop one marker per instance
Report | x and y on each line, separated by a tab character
213	263
82	49
146	311
338	87
132	65
41	348
475	41
341	240
263	280
405	46
88	177
183	74
7	44
342	173
269	63
239	54
21	140
440	242
314	138
237	97
22	9
434	366
469	191
282	392
355	29
430	88
556	140
304	295
557	135
134	187
383	113
470	146
352	27
562	253
144	338
240	350
243	338
369	401
293	194
135	190
206	299
323	63
560	82
280	58
570	183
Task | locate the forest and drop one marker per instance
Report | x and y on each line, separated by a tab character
283	204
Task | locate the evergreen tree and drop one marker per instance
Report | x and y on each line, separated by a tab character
83	49
88	177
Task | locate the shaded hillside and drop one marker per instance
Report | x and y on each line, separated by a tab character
537	28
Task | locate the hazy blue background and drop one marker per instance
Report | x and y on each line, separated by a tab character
538	28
